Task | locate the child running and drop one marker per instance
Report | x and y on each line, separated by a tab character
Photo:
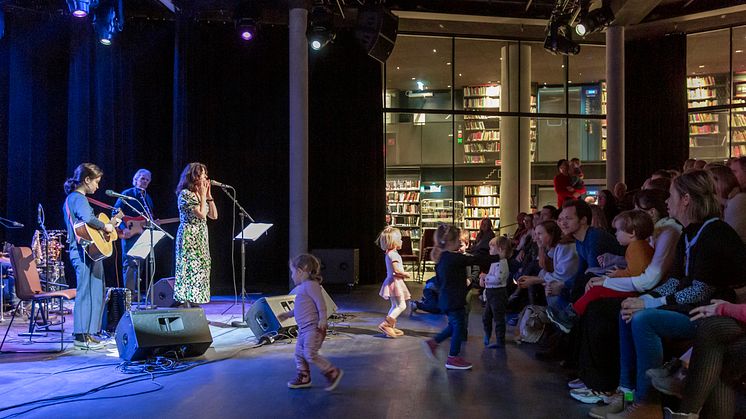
393	289
496	297
450	266
633	228
310	314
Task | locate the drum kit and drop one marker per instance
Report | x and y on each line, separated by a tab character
48	250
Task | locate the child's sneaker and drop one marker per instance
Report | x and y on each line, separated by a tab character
430	347
302	380
576	383
457	363
564	319
333	376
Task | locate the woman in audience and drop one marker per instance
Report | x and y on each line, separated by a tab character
709	260
608	204
732	200
481	245
599	218
521	230
720	341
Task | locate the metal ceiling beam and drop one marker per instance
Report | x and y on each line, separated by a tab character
168	4
469	18
632	12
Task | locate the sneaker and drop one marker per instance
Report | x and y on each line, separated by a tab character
588	396
669	368
637	411
94	339
670	414
84	342
302	380
430	347
576	383
673	385
457	363
486	341
564	319
616	405
333	377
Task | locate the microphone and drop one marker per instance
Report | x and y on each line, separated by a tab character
216	183
111	193
40	214
17	224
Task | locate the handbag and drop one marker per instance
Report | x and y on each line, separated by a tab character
531	323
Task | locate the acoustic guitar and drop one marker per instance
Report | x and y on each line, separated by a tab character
98	244
136	225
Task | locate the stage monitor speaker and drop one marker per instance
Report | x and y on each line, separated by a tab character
163	291
262	315
149	333
376	31
339	266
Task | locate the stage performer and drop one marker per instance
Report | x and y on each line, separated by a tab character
393	289
310	314
89	301
192	284
130	267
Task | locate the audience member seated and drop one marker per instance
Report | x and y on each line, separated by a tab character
709	261
481	245
732	200
548	212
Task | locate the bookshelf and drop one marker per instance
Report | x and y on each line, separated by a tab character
603	123
533	128
403	203
738	116
436	211
480	201
482	142
708	131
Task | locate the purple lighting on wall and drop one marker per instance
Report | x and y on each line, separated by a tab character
247	36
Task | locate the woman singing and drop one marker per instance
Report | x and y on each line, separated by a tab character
89	301
192	284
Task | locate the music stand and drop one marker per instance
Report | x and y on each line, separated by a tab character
251	232
141	250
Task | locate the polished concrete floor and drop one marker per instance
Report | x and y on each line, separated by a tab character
384	378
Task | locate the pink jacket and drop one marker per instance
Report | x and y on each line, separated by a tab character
737	311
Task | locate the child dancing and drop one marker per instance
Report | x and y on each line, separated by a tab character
393	289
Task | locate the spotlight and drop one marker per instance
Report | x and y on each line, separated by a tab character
106	23
595	20
81	8
247	29
2	23
559	41
321	30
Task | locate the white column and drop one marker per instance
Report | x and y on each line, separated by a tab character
515	144
614	105
298	122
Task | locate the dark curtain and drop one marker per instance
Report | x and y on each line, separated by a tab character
656	132
347	179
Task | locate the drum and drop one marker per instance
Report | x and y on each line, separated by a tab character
48	249
118	301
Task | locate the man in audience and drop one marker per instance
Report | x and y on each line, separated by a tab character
590	242
548	212
739	169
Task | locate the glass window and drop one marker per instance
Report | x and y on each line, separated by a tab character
585	139
551	139
587	73
708	136
707	60
548	72
419	70
404	140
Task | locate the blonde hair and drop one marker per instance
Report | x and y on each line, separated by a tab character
701	189
389	238
307	263
502	242
635	221
444	235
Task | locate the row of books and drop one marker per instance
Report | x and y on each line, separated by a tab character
481	190
482	91
701	93
481	201
472	224
407	220
739	150
474	159
704	81
703	103
474	125
702	117
402	184
488	135
703	129
482	102
404	208
483	212
482	148
402	196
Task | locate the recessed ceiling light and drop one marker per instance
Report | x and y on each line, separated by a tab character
449	86
738	51
413	78
448	63
563	66
397	67
435	50
702	66
459	74
569	81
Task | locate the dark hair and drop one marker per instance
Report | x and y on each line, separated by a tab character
637	221
741	161
553	229
652	198
189	177
84	170
560	162
582	209
553	210
662	183
662	173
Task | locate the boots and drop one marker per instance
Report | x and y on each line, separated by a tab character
392	322
669	414
386	329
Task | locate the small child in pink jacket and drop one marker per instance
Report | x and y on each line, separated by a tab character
310	313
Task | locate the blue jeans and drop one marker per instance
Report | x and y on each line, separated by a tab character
641	346
89	300
454	330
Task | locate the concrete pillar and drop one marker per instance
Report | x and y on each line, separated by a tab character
614	105
298	122
515	144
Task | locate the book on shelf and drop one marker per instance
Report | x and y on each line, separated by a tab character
738	150
482	201
393	184
477	212
487	135
486	90
697	82
475	159
481	190
482	148
402	196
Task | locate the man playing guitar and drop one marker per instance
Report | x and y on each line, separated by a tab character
140	183
89	270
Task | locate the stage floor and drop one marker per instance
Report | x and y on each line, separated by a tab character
384	378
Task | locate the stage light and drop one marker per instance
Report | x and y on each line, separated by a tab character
81	8
2	23
321	30
594	21
559	41
106	22
247	29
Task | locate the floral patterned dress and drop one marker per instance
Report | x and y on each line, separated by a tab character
192	253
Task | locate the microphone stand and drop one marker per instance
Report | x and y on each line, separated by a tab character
243	214
4	222
150	225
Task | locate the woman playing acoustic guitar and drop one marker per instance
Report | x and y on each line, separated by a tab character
89	302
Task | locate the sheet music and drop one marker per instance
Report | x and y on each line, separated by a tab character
141	248
253	231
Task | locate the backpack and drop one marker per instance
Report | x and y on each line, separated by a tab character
531	323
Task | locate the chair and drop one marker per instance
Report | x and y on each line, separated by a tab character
407	255
427	242
28	288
